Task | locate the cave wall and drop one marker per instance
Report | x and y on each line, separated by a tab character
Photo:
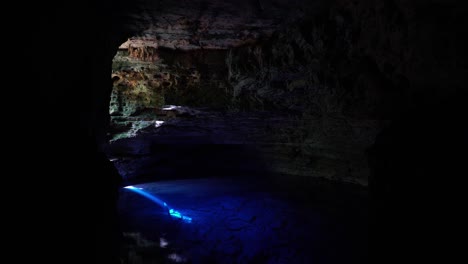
347	74
363	59
341	76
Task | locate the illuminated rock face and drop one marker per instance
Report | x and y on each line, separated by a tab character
136	86
194	78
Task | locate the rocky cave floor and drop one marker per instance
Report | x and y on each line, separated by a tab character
232	208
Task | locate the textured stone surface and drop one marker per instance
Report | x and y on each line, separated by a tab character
146	78
214	24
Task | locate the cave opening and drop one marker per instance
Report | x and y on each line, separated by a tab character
307	125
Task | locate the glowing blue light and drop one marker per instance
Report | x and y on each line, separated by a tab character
176	214
145	194
179	215
172	212
186	219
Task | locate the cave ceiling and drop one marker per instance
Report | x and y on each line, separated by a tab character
210	24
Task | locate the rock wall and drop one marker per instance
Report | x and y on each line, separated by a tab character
340	76
348	73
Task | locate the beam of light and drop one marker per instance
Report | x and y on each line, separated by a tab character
147	195
172	212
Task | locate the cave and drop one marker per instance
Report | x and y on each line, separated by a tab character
251	131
